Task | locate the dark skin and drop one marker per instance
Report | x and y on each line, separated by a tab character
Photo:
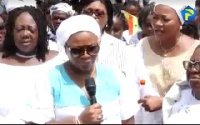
197	19
193	75
167	27
57	17
102	20
118	28
100	8
133	10
83	67
26	38
147	29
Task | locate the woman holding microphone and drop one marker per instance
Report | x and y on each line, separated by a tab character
115	97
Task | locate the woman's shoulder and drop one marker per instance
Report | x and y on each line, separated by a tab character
51	54
56	56
111	72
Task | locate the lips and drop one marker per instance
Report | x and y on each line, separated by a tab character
194	77
25	43
158	31
87	61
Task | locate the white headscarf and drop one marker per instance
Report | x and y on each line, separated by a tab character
76	24
176	5
62	7
12	4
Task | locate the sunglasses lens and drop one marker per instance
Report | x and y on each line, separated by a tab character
76	51
93	50
96	13
99	13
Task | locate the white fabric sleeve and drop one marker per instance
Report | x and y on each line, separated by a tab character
41	109
129	96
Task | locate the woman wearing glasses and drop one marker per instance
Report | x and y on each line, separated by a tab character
115	97
163	54
181	104
113	50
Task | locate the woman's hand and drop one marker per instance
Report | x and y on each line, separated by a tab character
151	103
91	115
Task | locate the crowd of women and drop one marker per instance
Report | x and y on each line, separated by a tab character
141	56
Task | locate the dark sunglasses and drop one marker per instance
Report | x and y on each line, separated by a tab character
190	64
79	51
97	13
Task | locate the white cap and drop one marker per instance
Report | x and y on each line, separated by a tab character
74	25
62	7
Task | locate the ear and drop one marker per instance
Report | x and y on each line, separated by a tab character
181	27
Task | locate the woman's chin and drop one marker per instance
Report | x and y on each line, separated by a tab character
195	84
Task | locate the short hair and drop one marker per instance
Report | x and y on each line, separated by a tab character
190	29
9	47
197	3
79	5
144	12
132	3
119	14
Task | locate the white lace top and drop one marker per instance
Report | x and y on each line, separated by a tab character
23	96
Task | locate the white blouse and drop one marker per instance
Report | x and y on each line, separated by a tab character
185	110
23	95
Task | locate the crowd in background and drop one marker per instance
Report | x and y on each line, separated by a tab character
140	56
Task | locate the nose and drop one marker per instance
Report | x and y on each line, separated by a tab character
58	21
25	34
94	16
158	23
85	56
192	70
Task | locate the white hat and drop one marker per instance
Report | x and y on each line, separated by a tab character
62	7
73	25
176	5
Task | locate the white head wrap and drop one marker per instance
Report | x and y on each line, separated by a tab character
176	5
12	4
73	25
62	7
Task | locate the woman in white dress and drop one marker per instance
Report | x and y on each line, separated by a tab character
181	104
162	55
24	61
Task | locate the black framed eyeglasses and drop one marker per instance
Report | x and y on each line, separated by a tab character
92	50
190	64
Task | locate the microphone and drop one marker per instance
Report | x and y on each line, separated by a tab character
91	89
